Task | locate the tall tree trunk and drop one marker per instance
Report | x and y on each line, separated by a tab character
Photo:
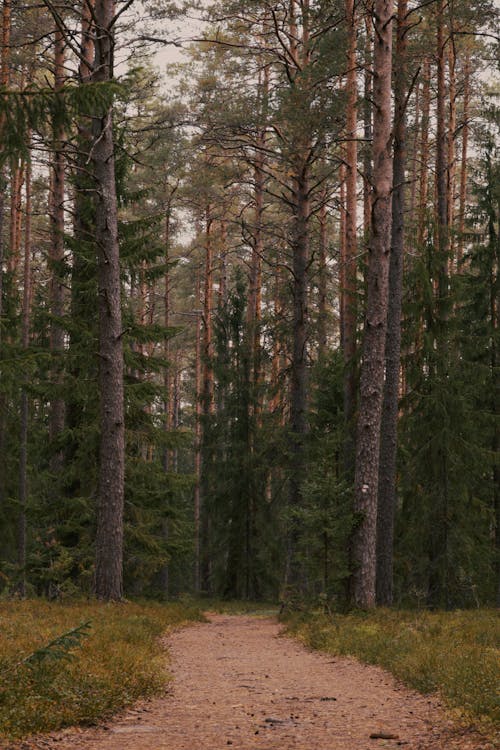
363	543
439	536
413	158
167	390
208	406
24	411
495	391
452	126
17	179
322	278
389	429
299	373
424	153
109	537
367	130
198	444
349	305
56	255
4	82
463	164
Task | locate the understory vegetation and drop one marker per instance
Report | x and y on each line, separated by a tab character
455	654
75	663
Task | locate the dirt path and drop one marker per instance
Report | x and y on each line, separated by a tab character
238	683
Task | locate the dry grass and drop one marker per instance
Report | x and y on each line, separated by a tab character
119	661
456	654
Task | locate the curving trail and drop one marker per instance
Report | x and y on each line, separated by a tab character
239	684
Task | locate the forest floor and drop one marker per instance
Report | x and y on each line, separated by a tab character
237	681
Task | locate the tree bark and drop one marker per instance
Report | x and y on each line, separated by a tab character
439	536
109	537
367	131
424	153
24	410
167	389
207	407
463	164
452	125
363	543
349	305
322	278
4	82
197	440
56	256
387	490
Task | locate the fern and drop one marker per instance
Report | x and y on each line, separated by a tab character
59	648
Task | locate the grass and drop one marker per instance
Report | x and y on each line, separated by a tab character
456	654
237	607
80	678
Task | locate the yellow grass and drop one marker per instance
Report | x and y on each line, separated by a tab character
120	661
456	654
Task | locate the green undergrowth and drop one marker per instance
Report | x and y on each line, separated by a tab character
75	663
238	607
453	653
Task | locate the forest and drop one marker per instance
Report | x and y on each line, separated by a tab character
249	302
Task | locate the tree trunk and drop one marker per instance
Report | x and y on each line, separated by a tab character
413	158
463	164
452	125
56	256
24	411
322	278
367	131
349	305
299	374
197	441
424	153
439	537
109	538
389	429
167	390
363	543
207	407
4	82
17	179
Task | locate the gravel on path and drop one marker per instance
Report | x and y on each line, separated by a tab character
238	683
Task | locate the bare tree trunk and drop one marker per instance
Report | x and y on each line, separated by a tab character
363	547
4	82
495	391
439	536
207	407
424	153
322	278
452	125
463	165
367	131
24	411
208	374
56	257
299	373
387	490
167	389
109	538
17	179
350	263
413	156
198	436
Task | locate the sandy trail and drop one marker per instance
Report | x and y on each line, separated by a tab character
239	684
